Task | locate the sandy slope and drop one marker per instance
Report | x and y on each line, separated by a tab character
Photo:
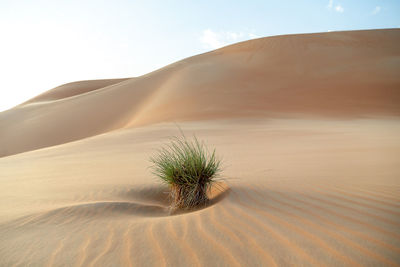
307	126
337	74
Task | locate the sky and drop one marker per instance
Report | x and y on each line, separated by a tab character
44	44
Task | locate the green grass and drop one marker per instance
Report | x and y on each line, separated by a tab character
189	169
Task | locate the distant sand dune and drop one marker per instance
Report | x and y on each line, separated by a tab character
340	74
308	129
72	89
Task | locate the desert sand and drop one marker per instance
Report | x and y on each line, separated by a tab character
308	127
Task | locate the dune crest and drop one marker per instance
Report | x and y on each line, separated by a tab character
72	89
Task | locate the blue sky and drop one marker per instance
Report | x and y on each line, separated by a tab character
47	43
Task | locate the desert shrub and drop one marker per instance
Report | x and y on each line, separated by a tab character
189	169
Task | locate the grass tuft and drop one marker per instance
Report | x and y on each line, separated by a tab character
189	169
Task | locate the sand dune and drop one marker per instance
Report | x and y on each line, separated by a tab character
341	74
307	125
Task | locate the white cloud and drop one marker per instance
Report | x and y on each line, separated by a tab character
339	8
253	36
212	39
376	10
234	35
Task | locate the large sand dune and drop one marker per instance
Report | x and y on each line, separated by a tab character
332	74
309	130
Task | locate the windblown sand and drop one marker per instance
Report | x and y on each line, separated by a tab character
307	126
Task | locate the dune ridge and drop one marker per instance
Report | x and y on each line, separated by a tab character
308	129
339	75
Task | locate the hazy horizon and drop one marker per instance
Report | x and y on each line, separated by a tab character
47	44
